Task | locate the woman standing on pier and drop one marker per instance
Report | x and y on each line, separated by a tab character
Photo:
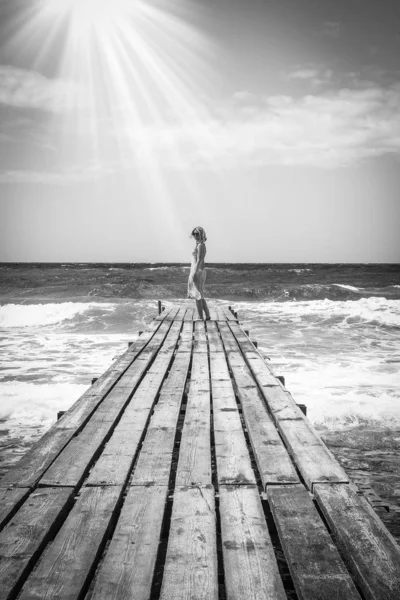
197	274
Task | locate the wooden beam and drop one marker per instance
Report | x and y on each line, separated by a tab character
71	557
128	567
25	536
316	567
191	563
372	553
250	566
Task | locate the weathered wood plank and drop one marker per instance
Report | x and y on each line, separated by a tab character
190	570
26	534
68	560
219	367
229	341
250	567
190	314
247	346
313	459
273	461
74	462
154	461
194	466
233	460
10	501
281	404
185	342
220	313
364	541
262	372
29	469
214	340
128	567
229	315
200	338
315	565
213	314
163	315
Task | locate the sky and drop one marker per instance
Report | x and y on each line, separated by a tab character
274	124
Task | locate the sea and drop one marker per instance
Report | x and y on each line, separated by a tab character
332	330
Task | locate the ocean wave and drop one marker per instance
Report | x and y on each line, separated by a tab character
347	287
31	315
372	311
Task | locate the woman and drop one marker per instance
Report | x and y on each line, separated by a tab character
197	275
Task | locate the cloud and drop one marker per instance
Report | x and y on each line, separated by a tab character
331	129
334	129
29	89
312	75
331	29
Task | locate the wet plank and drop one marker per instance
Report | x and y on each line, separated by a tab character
68	560
313	459
191	561
250	566
128	567
10	501
194	466
25	536
316	567
363	540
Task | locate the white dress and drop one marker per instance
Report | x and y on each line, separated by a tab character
196	281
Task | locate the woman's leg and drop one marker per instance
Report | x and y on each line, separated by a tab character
199	304
205	308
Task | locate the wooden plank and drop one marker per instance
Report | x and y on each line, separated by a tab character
233	460
154	462
25	536
281	404
245	343
220	314
68	560
273	461
229	315
316	567
185	342
313	459
363	540
190	314
175	313
200	338
219	367
163	315
194	466
10	501
214	340
128	567
191	563
213	313
74	462
261	372
250	566
29	469
229	341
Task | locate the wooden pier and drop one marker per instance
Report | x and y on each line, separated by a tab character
188	472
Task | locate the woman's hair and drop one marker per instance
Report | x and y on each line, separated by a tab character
199	233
